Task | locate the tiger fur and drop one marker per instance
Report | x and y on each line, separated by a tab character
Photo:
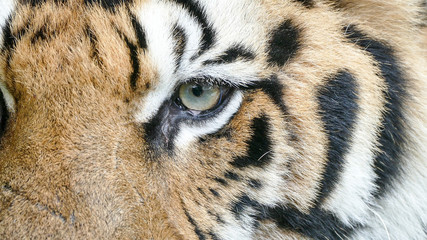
319	132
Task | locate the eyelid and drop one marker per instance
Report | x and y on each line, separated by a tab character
210	80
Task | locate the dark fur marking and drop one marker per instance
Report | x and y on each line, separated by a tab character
221	180
133	51
142	43
93	46
52	212
201	191
180	43
10	39
317	224
41	35
259	145
337	100
105	4
256	184
197	230
283	44
139	32
214	192
217	217
213	236
240	206
392	136
274	89
232	176
231	55
208	34
306	3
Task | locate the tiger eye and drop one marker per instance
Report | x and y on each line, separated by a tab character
199	97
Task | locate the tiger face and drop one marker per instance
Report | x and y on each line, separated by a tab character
197	119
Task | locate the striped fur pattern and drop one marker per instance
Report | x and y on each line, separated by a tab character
321	133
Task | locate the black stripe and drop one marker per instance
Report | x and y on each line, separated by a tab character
221	180
259	145
274	89
197	230
134	60
217	217
201	191
105	4
213	236
40	35
142	44
337	100
93	46
256	184
306	3
139	32
232	176
10	39
208	34
283	44
392	136
239	207
180	43
214	192
233	53
135	63
318	224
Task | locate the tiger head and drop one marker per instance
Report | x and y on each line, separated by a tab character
188	119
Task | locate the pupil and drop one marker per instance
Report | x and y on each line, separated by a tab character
197	90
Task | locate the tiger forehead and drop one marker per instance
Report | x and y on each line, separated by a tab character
72	44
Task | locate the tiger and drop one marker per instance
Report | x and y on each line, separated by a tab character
213	119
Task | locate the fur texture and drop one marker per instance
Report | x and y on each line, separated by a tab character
320	132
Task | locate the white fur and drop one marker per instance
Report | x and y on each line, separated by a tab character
401	213
6	7
189	133
241	229
351	198
157	19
